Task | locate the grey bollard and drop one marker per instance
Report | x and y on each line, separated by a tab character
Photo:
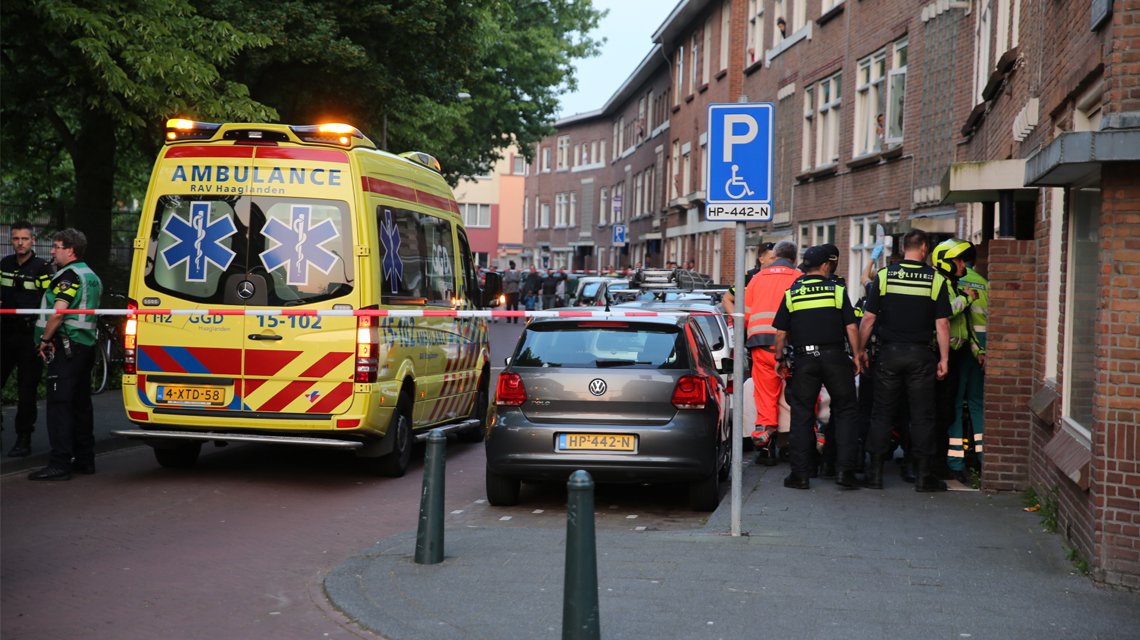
429	535
580	590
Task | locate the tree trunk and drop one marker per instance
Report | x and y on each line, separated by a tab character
94	158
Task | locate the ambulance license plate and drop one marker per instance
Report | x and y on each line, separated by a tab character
596	442
178	394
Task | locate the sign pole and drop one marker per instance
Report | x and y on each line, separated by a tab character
739	322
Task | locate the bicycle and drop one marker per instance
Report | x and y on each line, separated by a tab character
108	345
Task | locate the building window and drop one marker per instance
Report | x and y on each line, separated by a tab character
754	45
780	28
572	210
638	194
827	122
816	233
862	243
870	104
526	214
563	152
725	27
518	165
1081	297
828	5
686	171
560	201
982	48
617	143
704	163
544	216
896	101
806	153
619	202
603	205
706	51
475	215
675	183
546	159
679	75
694	62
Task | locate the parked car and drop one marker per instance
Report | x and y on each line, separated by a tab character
593	291
629	400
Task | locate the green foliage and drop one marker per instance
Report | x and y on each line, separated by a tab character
1079	563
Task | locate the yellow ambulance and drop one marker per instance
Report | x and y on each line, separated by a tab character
263	256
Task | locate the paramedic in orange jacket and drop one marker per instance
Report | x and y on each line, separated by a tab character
761	301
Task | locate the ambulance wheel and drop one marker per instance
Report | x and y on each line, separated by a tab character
502	491
478	412
180	456
395	463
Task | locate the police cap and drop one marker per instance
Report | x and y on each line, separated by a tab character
818	255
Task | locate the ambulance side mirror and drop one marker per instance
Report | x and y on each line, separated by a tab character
492	289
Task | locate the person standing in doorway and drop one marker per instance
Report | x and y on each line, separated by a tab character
512	280
67	345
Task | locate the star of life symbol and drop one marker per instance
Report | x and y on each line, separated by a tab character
390	238
198	241
299	245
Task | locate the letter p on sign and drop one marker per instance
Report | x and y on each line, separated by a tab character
731	137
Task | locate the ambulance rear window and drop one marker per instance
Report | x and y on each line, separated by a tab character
212	249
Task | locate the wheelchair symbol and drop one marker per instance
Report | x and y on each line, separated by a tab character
736	188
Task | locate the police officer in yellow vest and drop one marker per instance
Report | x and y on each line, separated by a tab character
23	278
971	377
909	306
816	318
67	345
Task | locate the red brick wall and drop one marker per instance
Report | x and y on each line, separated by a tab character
1115	482
1122	67
1009	363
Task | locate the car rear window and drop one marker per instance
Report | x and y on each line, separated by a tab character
711	329
602	345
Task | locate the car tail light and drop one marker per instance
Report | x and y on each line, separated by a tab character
691	392
728	387
367	346
130	340
510	391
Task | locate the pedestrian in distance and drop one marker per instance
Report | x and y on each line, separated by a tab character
908	307
549	290
23	278
67	345
530	289
816	318
512	281
762	299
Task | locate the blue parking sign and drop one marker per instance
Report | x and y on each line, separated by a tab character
619	235
739	171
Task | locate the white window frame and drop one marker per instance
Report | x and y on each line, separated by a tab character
475	215
518	166
619	215
870	100
694	61
861	243
546	159
526	214
807	155
563	153
725	30
828	5
679	75
543	215
675	163
982	47
572	210
603	205
828	119
754	39
706	49
560	200
896	85
1071	304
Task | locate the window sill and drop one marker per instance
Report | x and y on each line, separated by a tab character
753	67
676	108
704	88
830	14
804	33
720	74
865	160
974	120
893	151
818	173
689	98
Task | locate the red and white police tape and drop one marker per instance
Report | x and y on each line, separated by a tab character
381	313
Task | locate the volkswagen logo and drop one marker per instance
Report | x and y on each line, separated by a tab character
597	386
245	289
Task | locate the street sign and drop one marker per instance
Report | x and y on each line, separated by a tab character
739	172
617	204
619	239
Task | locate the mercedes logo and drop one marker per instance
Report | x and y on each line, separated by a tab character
597	386
245	289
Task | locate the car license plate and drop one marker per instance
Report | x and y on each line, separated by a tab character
596	442
178	394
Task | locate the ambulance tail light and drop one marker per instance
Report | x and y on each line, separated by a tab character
130	344
182	129
367	348
510	392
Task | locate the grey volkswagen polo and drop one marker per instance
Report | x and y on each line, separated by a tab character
629	399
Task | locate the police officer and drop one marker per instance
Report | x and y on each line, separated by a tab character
908	306
816	317
67	344
23	278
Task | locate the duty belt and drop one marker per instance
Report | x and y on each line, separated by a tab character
817	349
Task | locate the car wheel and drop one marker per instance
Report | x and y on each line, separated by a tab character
704	495
478	412
502	491
394	464
181	456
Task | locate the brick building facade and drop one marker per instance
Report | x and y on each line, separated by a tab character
1010	123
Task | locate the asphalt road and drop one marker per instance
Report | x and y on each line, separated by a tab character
237	546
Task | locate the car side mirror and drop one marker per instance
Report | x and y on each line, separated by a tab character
492	289
507	361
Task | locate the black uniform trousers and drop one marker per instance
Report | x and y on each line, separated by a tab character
513	305
70	416
910	370
834	370
18	352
